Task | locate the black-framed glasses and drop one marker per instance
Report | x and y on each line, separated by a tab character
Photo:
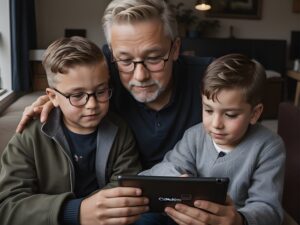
81	98
152	64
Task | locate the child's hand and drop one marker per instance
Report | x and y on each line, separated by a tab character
121	205
205	212
184	175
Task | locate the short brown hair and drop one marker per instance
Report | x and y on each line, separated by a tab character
235	71
65	53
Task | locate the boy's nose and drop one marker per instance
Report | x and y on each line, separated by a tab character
217	122
92	102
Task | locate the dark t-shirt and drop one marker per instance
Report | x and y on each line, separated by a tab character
83	151
157	132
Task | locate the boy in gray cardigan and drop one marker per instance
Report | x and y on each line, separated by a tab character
229	143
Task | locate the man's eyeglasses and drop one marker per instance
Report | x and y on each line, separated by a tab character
81	98
153	64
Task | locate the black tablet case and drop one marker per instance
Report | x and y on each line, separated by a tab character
167	191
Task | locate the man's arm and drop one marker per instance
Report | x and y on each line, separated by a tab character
41	107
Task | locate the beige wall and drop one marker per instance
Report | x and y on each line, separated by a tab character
276	23
56	15
53	16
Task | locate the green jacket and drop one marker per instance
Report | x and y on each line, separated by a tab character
37	174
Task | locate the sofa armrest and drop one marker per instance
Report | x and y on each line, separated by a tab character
289	130
10	118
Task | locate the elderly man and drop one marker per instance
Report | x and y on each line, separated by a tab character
155	90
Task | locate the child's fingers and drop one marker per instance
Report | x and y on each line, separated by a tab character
121	192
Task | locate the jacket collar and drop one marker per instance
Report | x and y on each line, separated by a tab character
53	128
107	132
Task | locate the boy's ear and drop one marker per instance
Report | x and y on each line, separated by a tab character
256	113
52	96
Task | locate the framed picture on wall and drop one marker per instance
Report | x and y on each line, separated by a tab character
240	9
296	6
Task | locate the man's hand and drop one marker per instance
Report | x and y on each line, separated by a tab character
41	107
205	212
115	206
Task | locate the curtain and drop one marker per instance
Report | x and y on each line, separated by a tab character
23	38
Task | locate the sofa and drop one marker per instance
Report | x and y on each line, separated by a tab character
10	117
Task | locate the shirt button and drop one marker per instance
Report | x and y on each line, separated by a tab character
158	124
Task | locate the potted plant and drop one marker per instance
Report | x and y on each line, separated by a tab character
185	17
205	26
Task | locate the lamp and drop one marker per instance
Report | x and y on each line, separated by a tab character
202	5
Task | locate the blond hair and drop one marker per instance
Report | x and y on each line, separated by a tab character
130	11
65	53
235	71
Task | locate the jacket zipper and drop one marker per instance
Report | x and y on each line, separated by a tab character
72	170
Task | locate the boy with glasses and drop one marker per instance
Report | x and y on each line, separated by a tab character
53	173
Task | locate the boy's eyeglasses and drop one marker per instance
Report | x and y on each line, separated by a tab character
153	64
81	98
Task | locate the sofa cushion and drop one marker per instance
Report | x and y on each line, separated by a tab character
10	118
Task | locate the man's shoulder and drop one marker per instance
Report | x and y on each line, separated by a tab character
192	66
195	60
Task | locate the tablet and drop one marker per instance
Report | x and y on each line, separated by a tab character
167	191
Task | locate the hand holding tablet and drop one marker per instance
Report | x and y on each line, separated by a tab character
167	191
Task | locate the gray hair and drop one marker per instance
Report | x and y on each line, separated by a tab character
120	11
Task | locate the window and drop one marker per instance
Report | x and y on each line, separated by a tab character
5	56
